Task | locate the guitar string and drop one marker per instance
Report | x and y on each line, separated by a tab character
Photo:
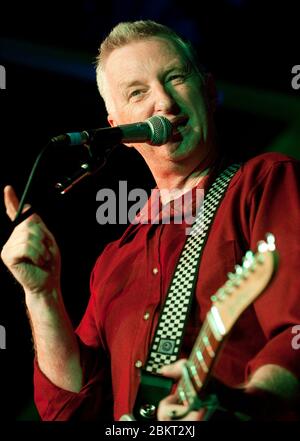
199	344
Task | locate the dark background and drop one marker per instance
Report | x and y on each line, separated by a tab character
48	50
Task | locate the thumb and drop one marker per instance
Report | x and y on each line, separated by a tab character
173	370
12	202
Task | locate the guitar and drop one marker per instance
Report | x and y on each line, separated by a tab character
240	290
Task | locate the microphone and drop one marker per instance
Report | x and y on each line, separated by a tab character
156	130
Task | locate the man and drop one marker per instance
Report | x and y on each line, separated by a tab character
145	69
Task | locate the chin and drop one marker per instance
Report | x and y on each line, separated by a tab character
173	146
184	147
179	153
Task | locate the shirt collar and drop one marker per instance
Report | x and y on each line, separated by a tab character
182	209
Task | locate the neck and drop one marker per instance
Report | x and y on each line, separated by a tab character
183	185
182	176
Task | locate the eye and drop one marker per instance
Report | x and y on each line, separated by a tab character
135	93
177	78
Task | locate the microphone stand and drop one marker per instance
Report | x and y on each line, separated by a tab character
92	165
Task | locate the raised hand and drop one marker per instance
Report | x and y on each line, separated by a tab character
31	252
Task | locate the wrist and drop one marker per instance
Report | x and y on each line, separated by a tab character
50	297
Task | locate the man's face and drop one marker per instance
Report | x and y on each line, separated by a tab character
151	77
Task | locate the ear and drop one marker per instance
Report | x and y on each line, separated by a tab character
111	121
211	92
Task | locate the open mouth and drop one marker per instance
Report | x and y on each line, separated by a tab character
179	125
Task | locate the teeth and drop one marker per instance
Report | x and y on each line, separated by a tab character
179	126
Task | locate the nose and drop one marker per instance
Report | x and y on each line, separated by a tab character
164	101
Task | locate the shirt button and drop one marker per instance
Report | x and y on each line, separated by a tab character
155	270
138	364
146	315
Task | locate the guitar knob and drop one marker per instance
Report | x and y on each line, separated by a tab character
270	238
148	411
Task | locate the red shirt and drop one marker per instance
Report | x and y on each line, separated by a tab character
131	278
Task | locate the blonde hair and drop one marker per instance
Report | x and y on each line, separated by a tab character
127	32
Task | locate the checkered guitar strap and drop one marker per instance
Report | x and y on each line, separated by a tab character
169	333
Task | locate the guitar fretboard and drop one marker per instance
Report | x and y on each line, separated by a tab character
199	365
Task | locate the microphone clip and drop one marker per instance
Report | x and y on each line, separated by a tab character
92	165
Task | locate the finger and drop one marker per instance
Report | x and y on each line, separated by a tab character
178	412
33	228
23	248
32	233
169	410
170	399
173	370
25	252
194	415
169	407
39	248
11	202
38	236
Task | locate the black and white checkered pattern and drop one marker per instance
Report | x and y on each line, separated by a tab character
169	333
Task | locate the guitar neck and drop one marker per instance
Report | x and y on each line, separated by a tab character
199	365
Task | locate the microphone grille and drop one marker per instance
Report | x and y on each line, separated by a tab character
161	129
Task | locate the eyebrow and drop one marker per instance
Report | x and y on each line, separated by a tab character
180	66
125	85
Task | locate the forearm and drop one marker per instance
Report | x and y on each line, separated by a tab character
55	342
271	394
275	394
32	255
275	379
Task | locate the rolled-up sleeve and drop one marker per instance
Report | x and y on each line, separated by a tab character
94	400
